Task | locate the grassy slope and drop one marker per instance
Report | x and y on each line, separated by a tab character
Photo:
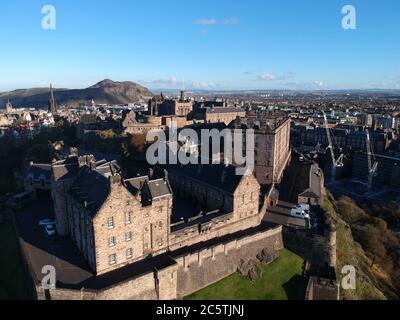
280	280
349	252
12	274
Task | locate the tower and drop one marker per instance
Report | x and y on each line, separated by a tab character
9	107
183	96
93	105
52	102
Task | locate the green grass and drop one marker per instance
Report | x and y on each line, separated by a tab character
280	280
12	274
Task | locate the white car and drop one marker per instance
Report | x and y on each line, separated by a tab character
51	231
46	222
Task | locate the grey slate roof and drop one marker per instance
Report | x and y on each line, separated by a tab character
90	188
218	175
65	169
159	188
135	184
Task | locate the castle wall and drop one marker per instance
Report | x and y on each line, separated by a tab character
318	249
193	271
322	289
200	269
213	229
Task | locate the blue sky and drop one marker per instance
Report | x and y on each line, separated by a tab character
211	44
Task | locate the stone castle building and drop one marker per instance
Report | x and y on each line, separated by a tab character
160	106
272	149
115	222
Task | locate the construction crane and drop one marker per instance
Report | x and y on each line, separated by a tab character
336	163
372	167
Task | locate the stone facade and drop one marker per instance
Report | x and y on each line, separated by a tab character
271	151
222	114
193	270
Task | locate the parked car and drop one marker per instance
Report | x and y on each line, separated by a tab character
45	222
301	211
51	231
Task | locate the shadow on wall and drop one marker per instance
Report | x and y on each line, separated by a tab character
295	288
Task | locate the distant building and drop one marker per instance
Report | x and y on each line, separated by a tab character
343	138
221	114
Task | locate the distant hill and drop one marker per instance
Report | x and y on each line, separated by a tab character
104	92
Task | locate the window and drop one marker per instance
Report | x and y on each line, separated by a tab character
161	225
243	199
160	242
111	242
159	209
146	230
128	218
110	222
112	259
129	253
128	236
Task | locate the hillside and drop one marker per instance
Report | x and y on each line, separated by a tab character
373	281
104	92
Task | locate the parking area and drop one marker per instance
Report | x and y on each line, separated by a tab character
42	250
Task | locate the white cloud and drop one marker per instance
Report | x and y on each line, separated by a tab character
207	22
267	77
272	77
231	20
212	21
319	83
173	83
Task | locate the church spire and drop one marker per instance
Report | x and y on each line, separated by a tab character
9	106
52	102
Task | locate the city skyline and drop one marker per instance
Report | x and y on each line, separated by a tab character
261	45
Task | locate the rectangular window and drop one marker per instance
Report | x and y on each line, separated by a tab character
128	236
112	259
111	242
110	222
243	198
129	253
128	218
